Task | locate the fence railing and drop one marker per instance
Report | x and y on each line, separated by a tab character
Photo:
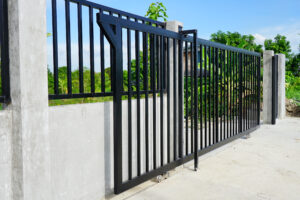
184	96
84	80
4	59
226	101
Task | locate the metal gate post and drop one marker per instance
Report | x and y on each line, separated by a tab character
195	106
274	88
4	51
114	36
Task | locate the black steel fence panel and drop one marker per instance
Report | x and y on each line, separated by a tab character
4	51
225	104
185	96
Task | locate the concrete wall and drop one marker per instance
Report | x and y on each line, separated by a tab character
5	155
81	146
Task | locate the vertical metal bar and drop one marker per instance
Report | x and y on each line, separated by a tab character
244	93
201	96
92	61
112	82
214	95
217	94
4	44
103	57
55	46
224	93
80	48
258	91
227	107
162	62
209	95
236	92
180	98
168	102
205	95
153	67
68	42
220	81
117	102
129	101
175	97
118	74
195	45
273	89
252	90
146	88
240	92
186	99
231	93
192	97
138	123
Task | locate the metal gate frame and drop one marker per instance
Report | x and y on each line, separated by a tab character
112	28
199	133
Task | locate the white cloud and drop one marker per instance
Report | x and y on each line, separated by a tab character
291	31
259	39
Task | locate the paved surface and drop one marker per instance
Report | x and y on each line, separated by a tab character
265	166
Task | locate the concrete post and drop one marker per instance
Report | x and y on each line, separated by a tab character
281	86
29	93
267	87
173	26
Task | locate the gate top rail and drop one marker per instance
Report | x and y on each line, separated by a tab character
119	13
227	47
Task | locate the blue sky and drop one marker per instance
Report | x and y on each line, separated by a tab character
261	18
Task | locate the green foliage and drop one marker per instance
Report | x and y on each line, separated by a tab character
293	65
157	10
237	40
292	87
279	45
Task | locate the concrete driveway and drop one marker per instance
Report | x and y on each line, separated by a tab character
265	166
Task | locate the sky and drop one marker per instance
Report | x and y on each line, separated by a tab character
264	19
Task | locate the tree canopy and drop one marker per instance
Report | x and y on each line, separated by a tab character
280	44
157	10
237	40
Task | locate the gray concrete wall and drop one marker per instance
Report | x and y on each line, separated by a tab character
5	155
81	145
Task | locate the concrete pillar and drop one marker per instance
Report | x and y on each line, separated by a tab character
281	86
174	26
29	94
267	86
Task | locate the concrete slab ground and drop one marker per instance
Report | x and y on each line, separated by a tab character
266	166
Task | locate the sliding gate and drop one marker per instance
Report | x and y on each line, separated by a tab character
220	86
175	97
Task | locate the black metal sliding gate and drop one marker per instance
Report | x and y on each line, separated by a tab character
175	97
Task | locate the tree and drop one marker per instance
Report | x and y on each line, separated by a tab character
157	10
279	45
237	40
